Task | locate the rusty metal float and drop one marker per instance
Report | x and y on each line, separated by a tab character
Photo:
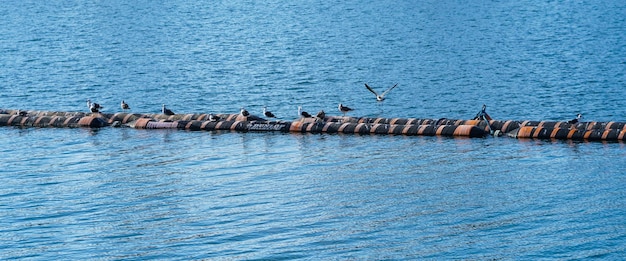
601	131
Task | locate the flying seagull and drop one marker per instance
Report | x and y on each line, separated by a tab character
93	107
124	106
574	121
344	109
268	113
380	97
166	111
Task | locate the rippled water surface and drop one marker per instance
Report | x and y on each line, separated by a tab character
120	193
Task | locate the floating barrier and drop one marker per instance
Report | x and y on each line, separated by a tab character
234	122
207	125
601	131
380	128
568	134
52	121
590	130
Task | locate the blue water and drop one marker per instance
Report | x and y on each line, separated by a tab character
118	193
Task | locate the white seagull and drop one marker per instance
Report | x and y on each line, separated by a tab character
574	121
166	111
303	113
380	97
124	106
244	112
22	113
213	117
93	107
344	109
268	113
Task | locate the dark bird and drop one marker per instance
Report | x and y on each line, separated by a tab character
574	121
124	106
213	117
268	113
380	97
482	114
93	107
303	113
244	112
22	113
344	109
166	111
321	115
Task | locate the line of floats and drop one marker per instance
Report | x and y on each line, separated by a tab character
475	128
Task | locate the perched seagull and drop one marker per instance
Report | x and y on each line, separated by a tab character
213	117
244	112
93	107
574	121
303	113
124	106
380	97
321	115
166	111
267	113
22	113
344	109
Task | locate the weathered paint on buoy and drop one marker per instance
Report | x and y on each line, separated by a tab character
92	122
538	132
51	120
380	128
124	118
330	124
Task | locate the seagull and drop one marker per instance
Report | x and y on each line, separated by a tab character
244	113
213	117
303	113
124	106
93	107
22	113
344	109
267	113
321	115
166	111
380	97
574	121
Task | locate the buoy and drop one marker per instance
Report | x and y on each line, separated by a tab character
601	131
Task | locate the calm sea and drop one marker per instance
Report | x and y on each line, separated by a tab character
119	193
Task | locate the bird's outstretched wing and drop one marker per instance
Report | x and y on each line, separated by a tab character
388	90
371	90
